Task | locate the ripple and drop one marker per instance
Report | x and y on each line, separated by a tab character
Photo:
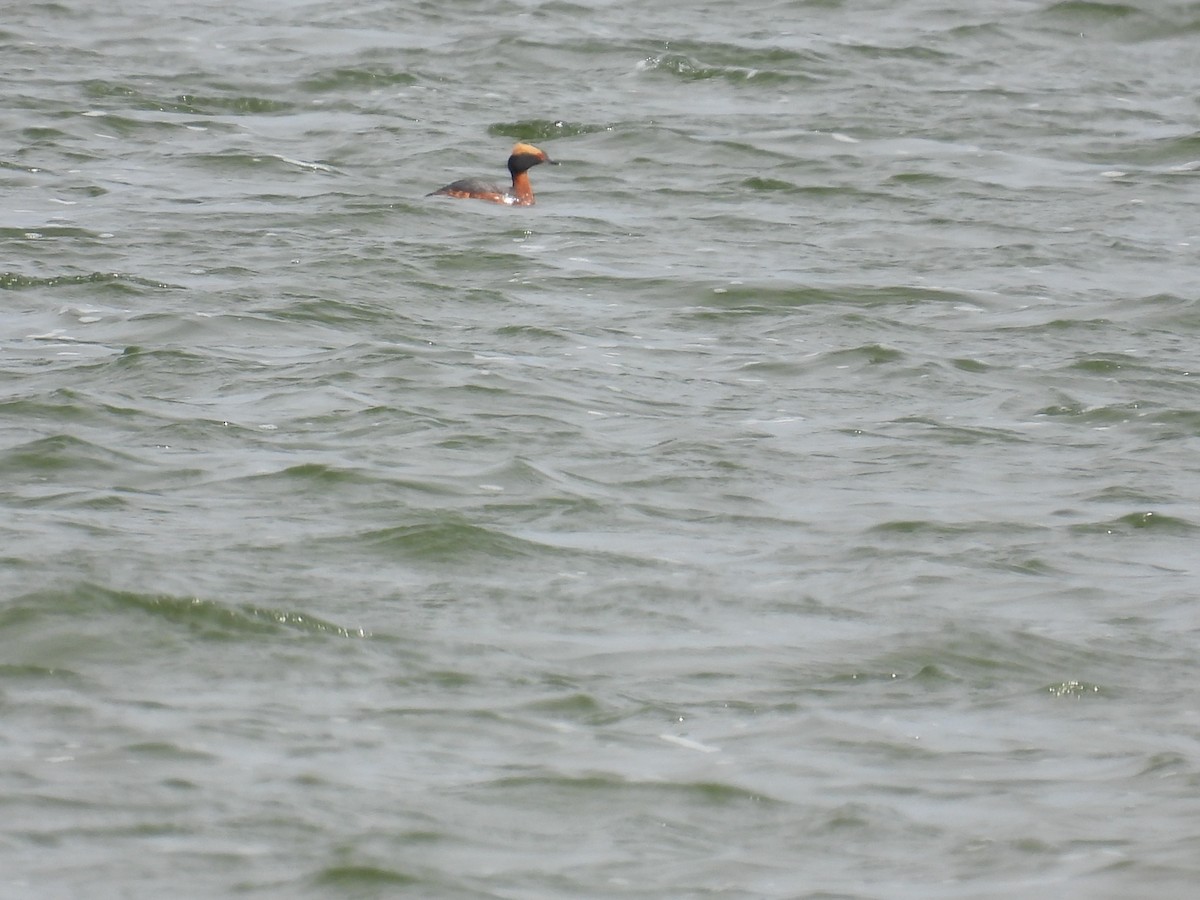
353	878
192	104
1134	522
689	68
210	619
544	129
62	455
356	78
117	281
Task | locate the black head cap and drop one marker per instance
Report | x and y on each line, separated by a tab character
525	157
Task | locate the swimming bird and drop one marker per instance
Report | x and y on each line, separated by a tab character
523	158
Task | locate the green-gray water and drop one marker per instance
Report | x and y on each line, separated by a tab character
800	501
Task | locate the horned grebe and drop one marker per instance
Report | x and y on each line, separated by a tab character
524	157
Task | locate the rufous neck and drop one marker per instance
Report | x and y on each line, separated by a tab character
523	189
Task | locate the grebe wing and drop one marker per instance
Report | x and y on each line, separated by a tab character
470	187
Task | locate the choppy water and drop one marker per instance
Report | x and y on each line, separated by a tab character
800	501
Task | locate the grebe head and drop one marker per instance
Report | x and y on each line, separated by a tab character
525	156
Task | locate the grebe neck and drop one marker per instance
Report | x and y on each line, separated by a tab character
522	189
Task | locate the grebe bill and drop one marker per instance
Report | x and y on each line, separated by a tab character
523	158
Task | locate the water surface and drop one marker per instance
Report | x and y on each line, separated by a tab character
799	501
